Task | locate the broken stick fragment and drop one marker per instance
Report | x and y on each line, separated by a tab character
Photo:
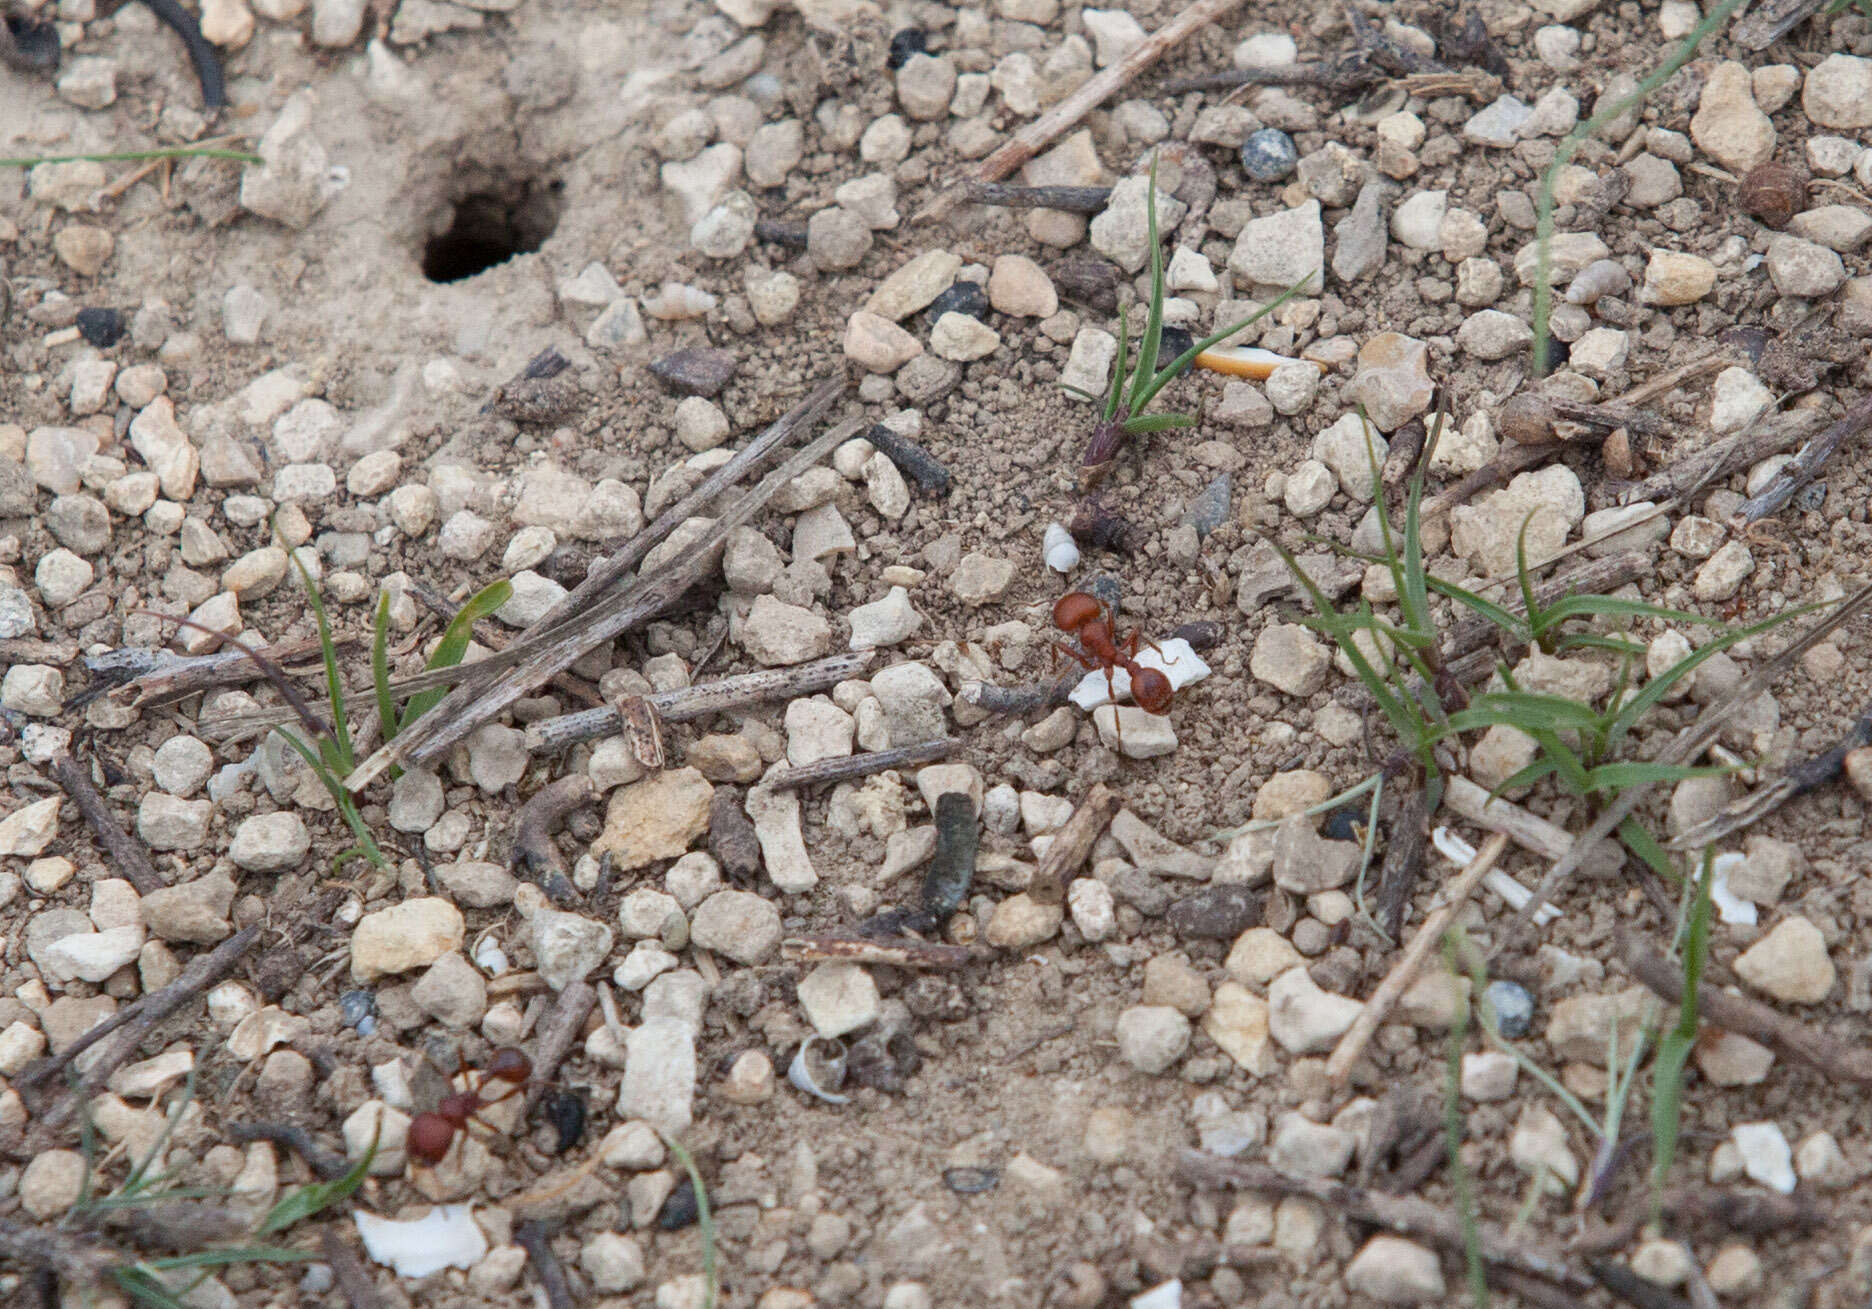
1073	842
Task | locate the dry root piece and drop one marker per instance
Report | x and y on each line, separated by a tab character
534	850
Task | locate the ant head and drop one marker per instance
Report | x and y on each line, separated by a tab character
510	1065
1074	610
1151	690
430	1136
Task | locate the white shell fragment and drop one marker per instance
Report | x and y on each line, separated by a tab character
1730	907
1061	551
445	1237
799	1072
1176	660
1459	852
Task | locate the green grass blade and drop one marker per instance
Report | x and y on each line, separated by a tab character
1081	393
1537	621
1658	687
1623	776
380	666
334	683
1612	606
705	1220
1674	1051
1638	839
1174	368
1500	615
1617	645
454	645
1153	318
1404	716
304	1201
1118	365
1534	772
1527	710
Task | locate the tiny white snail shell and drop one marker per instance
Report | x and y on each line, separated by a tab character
1059	548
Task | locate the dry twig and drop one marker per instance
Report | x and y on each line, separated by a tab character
127	855
896	951
862	764
1073	842
533	847
1404	971
1840	1061
1062	117
561	1030
532	1236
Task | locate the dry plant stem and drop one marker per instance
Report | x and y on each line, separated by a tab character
691	702
558	1034
1766	436
1768	24
1404	1214
32	650
1684	747
1405	970
538	655
1072	199
1073	842
614	567
130	1026
188	675
1633	1289
1672	378
1799	779
1497	471
1021	699
1062	117
898	952
862	765
533	1238
348	1272
127	855
1529	831
1403	856
1803	468
1594	577
1839	1060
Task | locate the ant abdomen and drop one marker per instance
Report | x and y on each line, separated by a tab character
1151	689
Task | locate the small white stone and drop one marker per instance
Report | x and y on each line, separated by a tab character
1766	1156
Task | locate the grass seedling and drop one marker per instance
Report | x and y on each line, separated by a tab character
1123	416
1674	1051
1569	146
167	1282
449	651
705	1220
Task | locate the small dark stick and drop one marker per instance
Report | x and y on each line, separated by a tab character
1803	468
912	460
348	1272
201	51
864	764
1073	842
1072	199
778	232
328	1164
1633	1289
127	856
561	1030
533	1239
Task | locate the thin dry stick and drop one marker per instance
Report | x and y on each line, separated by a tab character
130	1025
127	855
691	702
1803	467
1400	1213
1073	842
532	1236
1840	1060
533	659
896	951
1765	436
612	569
1040	133
561	1030
1528	830
1685	746
1404	972
348	1272
864	764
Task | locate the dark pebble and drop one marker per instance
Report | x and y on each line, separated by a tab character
1811	497
1345	823
1216	913
1103	586
700	370
912	460
1171	346
910	41
971	1181
1095	527
731	836
1513	1005
961	298
952	868
565	1110
1142	891
680	1210
102	327
1210	509
1203	634
356	1006
1091	282
884	1063
1269	154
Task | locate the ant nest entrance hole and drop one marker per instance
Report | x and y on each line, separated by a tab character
487	218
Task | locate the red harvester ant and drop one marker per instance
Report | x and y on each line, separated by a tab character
1090	619
431	1134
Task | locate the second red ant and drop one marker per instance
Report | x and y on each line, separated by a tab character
1090	620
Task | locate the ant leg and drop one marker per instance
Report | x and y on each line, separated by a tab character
1083	660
